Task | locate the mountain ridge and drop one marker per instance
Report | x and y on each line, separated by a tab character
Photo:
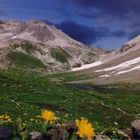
52	45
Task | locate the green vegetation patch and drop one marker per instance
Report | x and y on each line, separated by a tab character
22	60
104	107
59	55
27	46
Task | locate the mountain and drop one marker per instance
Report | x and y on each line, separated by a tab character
36	44
119	66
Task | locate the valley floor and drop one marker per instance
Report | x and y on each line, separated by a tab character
105	106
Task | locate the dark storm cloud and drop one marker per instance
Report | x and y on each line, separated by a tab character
124	13
79	32
120	9
64	11
86	34
116	7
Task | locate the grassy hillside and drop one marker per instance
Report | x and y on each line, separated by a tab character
24	92
59	55
27	46
22	60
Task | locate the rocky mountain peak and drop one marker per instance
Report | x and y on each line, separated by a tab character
37	29
45	42
130	45
34	21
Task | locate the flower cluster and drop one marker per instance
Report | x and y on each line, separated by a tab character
5	118
47	123
84	129
48	116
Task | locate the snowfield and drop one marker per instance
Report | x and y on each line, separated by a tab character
87	66
106	75
121	66
125	71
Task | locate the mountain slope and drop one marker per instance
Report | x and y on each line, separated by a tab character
44	42
119	66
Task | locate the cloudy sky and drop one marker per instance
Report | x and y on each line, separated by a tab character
101	23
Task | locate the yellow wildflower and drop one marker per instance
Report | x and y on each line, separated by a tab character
5	118
114	132
9	120
1	116
48	116
84	129
19	120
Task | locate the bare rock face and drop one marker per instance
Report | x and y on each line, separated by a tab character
38	29
1	22
129	46
41	33
126	47
21	27
136	129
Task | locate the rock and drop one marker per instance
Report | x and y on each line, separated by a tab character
124	135
57	133
5	133
128	132
36	136
101	137
136	129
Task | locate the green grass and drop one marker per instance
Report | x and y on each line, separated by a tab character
59	55
22	60
27	46
33	92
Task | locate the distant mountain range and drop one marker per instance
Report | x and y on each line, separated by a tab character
38	45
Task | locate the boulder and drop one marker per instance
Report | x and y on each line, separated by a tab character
5	133
36	136
124	134
101	137
136	129
56	133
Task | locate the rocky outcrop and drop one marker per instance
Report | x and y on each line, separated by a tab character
39	30
5	133
36	136
127	47
136	129
101	137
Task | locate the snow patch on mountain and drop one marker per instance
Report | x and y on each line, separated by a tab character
87	66
105	75
126	71
124	65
